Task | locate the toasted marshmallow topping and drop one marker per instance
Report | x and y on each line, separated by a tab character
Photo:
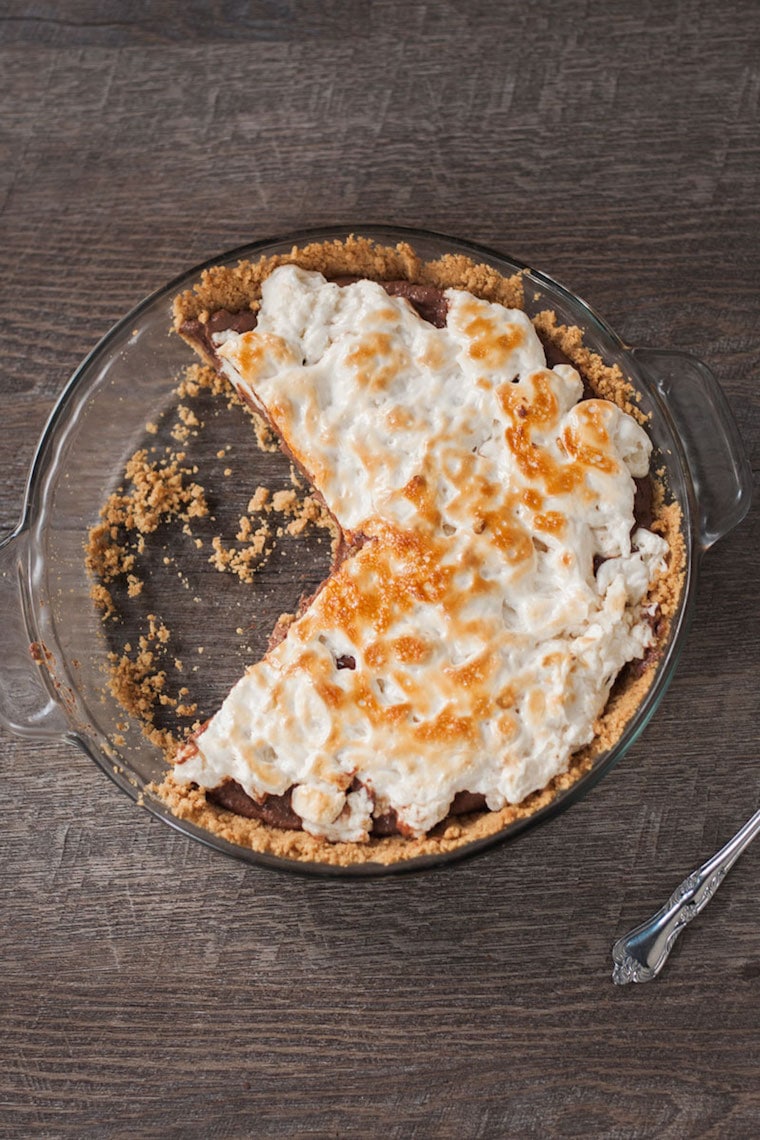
483	643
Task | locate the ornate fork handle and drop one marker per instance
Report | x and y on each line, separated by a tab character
641	954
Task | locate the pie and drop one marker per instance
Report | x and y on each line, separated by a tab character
496	574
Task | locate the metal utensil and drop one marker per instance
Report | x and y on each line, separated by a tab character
640	955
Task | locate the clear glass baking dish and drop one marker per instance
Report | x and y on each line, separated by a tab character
100	419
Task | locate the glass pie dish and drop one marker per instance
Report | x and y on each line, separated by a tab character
111	407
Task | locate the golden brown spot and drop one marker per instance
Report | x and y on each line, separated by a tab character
411	650
385	315
536	703
333	696
482	706
591	448
507	534
384	581
489	343
532	499
587	448
473	672
376	654
540	411
446	728
433	357
395	715
257	350
398	418
507	698
375	360
552	522
416	490
507	726
537	465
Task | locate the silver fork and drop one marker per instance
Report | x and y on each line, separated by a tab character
640	955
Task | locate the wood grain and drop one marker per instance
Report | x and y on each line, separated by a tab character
152	988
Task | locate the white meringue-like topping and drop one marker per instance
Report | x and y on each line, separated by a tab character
481	487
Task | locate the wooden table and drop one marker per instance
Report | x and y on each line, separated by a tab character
152	988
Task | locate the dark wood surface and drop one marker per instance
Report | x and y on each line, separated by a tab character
149	987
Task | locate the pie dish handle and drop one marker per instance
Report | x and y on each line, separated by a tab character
28	704
718	464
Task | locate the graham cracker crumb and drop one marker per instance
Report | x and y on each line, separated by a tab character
199	377
138	683
187	416
283	501
159	491
259	500
103	600
265	437
106	558
310	511
134	585
241	562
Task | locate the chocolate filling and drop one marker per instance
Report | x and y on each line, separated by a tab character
277	812
643	510
431	304
274	810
